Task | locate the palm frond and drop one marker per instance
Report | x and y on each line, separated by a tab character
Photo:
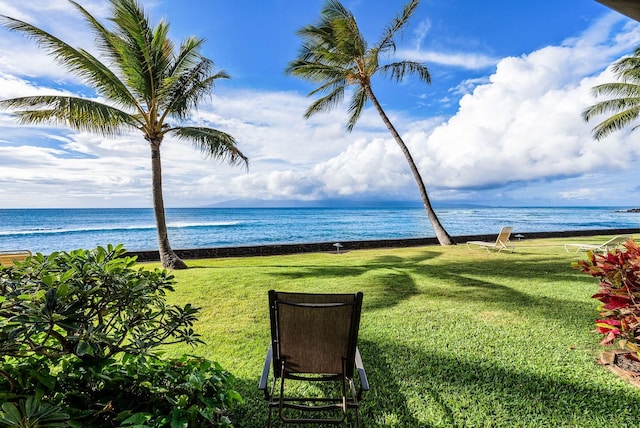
358	101
77	61
326	103
315	37
627	69
104	38
76	113
336	39
142	49
614	105
398	70
625	102
387	41
339	83
616	122
187	89
318	72
188	56
318	49
213	143
617	89
333	10
348	40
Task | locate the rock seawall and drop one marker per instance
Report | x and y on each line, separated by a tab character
317	247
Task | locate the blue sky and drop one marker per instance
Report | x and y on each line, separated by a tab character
499	125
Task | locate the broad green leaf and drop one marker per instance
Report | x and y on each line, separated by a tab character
10	413
63	289
137	419
84	348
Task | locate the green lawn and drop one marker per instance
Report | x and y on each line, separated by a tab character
450	336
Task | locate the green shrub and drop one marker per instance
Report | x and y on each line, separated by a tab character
81	330
618	273
32	413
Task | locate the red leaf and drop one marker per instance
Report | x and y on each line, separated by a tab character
616	302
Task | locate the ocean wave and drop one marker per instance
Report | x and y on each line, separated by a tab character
190	225
115	228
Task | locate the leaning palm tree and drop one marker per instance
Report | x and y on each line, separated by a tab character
335	55
624	106
144	81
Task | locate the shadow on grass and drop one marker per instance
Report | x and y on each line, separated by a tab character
448	390
389	280
392	283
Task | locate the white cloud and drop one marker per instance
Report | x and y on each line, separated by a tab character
520	125
526	123
20	55
13	87
421	32
470	61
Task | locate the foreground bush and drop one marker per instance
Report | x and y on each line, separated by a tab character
618	273
78	335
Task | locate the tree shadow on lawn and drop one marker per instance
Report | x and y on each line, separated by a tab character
391	284
448	390
389	280
550	280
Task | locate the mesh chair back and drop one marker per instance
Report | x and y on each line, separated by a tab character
314	333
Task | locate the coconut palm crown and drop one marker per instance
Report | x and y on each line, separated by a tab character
144	81
335	56
624	104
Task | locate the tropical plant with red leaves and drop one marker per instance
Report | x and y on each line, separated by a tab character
618	273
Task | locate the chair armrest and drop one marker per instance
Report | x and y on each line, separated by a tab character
362	374
265	373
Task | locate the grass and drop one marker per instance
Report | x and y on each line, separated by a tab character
450	336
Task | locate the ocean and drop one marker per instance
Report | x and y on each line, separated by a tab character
48	230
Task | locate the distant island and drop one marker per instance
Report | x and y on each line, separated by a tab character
630	210
332	203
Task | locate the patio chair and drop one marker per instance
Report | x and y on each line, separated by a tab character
314	339
501	243
611	244
8	258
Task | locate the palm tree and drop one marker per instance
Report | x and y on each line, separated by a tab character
335	55
625	104
145	82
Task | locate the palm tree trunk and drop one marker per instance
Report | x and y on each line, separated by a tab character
168	258
443	237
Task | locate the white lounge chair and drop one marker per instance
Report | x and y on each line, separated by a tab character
611	244
501	243
7	258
